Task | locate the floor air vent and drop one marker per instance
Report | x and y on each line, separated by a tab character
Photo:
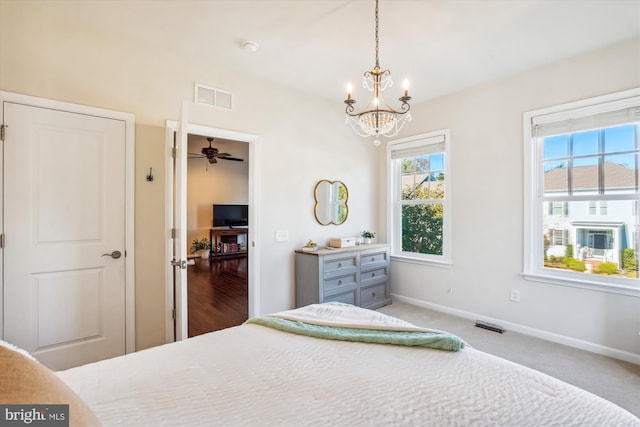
490	327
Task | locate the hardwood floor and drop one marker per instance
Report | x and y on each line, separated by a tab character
218	294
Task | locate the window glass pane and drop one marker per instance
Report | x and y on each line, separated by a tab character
585	175
423	177
437	186
619	139
437	162
410	188
408	177
585	143
422	230
431	187
620	173
583	244
556	177
556	147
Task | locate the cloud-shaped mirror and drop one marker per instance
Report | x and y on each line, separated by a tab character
331	202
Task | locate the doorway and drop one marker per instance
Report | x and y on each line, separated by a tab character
176	207
217	193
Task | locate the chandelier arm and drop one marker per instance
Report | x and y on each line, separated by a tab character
350	113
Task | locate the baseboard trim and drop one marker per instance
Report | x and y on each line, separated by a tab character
526	330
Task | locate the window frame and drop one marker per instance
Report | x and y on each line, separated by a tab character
395	202
533	268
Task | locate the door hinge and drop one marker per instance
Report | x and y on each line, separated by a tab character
3	132
174	152
1	241
173	314
173	233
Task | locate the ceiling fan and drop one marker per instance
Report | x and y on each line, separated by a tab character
213	154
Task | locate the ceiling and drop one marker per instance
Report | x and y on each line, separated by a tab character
318	46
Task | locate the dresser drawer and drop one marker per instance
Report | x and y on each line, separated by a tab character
347	298
372	277
340	284
373	261
336	267
372	295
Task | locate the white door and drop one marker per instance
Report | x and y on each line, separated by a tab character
64	226
180	224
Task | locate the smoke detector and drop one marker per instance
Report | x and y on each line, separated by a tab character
250	46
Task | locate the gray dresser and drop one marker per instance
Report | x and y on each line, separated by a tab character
357	275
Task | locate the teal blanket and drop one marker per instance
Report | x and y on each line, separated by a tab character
441	341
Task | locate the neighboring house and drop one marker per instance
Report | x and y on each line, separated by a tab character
597	231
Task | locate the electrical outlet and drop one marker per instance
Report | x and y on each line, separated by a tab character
514	295
282	236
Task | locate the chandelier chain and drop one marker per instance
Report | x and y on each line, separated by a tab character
377	39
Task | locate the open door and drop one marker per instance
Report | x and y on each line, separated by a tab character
178	256
176	214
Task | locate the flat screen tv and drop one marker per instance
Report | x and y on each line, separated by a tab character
230	215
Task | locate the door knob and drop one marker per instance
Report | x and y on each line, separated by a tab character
114	254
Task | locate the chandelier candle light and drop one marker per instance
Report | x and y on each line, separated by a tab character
379	118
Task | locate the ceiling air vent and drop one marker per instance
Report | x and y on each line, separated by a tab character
212	96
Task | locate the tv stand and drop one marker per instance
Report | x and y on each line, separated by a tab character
228	241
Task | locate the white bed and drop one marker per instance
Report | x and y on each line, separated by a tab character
254	375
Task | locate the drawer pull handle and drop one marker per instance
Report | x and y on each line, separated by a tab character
339	282
373	295
373	259
339	265
373	274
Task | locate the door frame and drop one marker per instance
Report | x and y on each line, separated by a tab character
253	275
129	203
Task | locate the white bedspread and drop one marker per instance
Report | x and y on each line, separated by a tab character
252	375
348	316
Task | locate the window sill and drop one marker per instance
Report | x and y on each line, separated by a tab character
584	284
421	261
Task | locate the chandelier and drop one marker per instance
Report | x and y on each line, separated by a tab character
379	118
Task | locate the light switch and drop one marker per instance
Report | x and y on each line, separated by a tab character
282	236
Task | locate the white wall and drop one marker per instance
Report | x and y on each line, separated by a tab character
487	208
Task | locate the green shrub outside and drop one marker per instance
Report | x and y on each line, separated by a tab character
606	268
568	251
574	264
629	260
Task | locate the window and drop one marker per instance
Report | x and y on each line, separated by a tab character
582	193
558	208
419	194
593	207
559	237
